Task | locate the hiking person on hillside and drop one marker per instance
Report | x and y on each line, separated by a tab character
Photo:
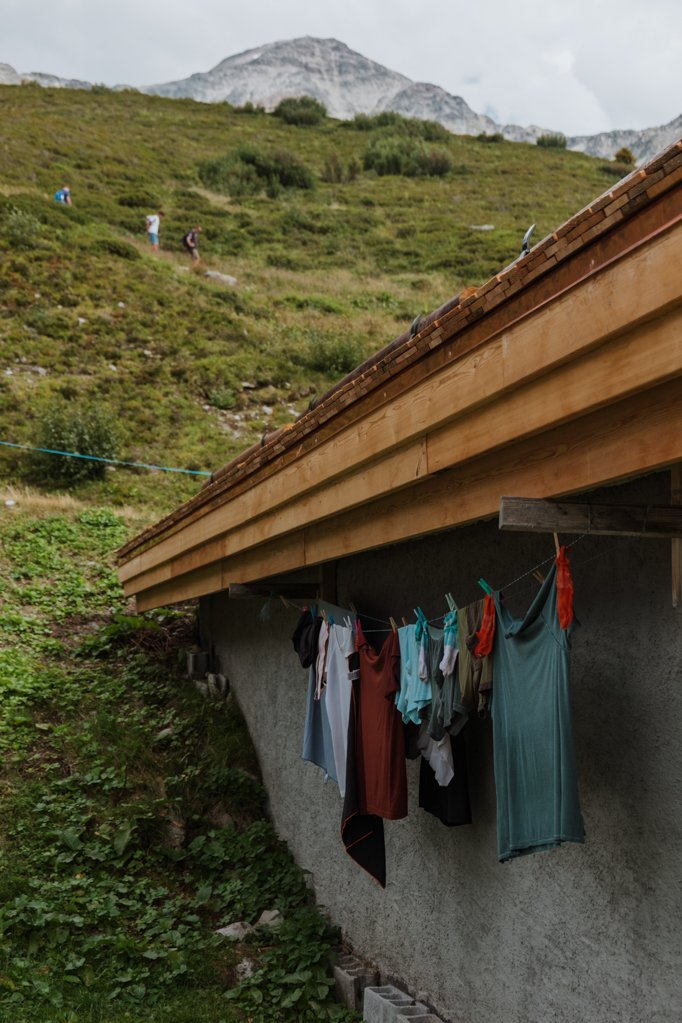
191	243
63	196
153	224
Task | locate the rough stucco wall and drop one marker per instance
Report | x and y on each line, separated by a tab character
587	932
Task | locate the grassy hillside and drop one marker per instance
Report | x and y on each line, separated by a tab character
131	814
325	274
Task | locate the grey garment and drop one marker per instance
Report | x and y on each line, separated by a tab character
536	782
447	713
317	736
475	674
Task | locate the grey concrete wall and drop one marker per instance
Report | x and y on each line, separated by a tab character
590	933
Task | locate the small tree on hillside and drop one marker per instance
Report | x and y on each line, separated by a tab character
300	110
625	156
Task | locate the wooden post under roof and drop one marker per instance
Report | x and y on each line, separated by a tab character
537	516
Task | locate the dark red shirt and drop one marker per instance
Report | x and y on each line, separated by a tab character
380	757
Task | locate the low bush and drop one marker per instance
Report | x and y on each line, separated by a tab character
400	155
415	127
21	229
300	110
250	170
626	156
80	428
139	199
494	137
551	141
114	247
333	356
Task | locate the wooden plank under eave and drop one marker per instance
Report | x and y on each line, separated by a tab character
636	436
533	515
199	583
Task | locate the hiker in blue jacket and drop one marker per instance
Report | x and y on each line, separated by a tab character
63	196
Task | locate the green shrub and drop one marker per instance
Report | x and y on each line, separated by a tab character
223	398
114	247
626	156
250	170
371	122
140	199
403	155
496	136
81	428
332	356
333	169
21	229
551	141
429	131
300	110
249	108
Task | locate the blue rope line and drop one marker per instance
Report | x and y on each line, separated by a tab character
109	461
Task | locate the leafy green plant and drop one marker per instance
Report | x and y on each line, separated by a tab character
84	429
301	110
22	229
493	137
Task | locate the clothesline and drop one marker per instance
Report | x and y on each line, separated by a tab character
439	618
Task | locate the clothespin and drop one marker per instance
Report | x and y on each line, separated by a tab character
557	546
451	602
404	620
486	587
324	616
419	614
538	576
284	601
392	622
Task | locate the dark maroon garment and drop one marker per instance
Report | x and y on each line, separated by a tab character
361	834
380	754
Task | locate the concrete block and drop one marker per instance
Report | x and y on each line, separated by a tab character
388	1004
351	977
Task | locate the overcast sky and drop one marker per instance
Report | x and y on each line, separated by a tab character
579	66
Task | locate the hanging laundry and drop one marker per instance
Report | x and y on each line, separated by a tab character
340	646
414	692
448	712
564	585
475	674
381	745
318	747
486	633
538	806
305	637
449	803
361	833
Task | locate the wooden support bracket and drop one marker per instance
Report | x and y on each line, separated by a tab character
538	516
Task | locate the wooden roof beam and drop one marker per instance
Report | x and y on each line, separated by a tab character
538	516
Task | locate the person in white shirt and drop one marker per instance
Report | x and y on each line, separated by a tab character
153	224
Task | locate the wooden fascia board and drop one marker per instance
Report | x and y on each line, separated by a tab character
501	307
636	436
465	395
